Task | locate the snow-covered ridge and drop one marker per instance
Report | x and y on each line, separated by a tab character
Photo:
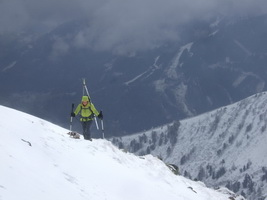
40	161
224	147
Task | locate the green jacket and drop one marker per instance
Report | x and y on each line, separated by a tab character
87	112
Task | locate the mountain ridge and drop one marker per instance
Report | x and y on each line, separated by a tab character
223	147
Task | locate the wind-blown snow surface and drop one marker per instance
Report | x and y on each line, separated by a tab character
40	161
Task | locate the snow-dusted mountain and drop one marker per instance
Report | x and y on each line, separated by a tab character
214	63
40	161
225	147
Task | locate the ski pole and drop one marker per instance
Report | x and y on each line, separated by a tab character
72	107
102	126
86	90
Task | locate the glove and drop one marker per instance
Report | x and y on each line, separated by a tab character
100	116
72	114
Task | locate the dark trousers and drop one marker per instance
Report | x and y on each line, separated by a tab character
86	129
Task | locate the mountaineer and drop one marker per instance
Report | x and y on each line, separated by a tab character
87	113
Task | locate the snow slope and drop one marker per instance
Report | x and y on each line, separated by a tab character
40	161
224	147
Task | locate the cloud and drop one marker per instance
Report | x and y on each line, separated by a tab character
119	25
13	16
59	48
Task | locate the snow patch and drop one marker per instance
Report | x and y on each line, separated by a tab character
160	85
135	79
214	33
180	94
244	75
171	72
148	72
11	65
248	52
215	24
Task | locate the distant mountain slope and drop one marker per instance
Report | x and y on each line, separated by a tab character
225	147
213	64
40	161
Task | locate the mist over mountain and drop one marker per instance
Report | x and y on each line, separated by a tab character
142	69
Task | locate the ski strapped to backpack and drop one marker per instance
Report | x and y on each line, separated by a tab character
87	93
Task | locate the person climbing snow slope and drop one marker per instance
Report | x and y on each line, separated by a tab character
87	113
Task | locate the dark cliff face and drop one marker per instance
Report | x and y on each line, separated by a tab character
211	66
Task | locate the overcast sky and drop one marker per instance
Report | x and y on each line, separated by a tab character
123	25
